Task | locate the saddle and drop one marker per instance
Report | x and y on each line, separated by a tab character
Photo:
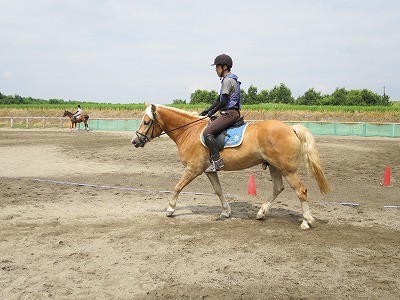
82	117
231	137
238	123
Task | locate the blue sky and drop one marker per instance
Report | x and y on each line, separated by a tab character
122	51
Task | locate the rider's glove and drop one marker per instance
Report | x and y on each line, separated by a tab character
204	113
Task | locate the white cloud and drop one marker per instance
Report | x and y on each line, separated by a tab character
7	75
124	51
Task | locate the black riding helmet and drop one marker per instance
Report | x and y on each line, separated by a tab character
223	59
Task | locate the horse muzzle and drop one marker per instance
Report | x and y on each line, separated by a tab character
138	141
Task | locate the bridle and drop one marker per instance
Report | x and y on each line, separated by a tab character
143	138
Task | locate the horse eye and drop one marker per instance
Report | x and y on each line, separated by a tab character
146	122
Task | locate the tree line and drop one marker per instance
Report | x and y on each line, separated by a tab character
278	94
282	94
17	99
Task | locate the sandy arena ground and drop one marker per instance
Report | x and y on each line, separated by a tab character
61	239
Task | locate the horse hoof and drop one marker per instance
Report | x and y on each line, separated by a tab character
170	211
260	216
311	221
224	215
304	225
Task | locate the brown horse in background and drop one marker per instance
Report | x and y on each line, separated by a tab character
78	119
271	143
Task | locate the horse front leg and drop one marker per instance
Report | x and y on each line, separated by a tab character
187	177
213	177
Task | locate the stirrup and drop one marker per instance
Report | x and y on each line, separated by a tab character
215	166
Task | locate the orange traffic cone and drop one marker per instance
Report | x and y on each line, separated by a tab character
251	189
386	178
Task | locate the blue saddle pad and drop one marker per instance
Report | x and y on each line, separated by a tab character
233	137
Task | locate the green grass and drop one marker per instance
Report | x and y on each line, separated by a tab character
201	106
292	107
67	106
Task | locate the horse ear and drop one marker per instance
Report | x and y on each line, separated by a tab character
153	109
147	104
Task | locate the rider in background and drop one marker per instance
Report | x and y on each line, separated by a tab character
78	112
228	103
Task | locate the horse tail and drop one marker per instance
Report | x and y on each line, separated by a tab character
311	157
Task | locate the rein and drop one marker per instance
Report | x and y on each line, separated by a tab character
144	138
166	132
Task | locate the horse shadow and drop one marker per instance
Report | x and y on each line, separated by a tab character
242	210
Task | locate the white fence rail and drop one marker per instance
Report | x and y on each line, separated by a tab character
64	122
34	122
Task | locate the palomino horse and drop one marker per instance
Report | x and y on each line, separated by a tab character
79	119
271	143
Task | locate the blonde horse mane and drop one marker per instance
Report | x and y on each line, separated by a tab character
180	111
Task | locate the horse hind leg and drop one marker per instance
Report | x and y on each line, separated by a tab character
277	188
213	177
295	182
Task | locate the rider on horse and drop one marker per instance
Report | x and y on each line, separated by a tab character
228	103
78	112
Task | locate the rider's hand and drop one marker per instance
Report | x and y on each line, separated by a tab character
204	113
209	114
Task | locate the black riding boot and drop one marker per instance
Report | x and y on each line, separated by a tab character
216	162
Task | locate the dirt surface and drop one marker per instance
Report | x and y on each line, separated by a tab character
82	216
